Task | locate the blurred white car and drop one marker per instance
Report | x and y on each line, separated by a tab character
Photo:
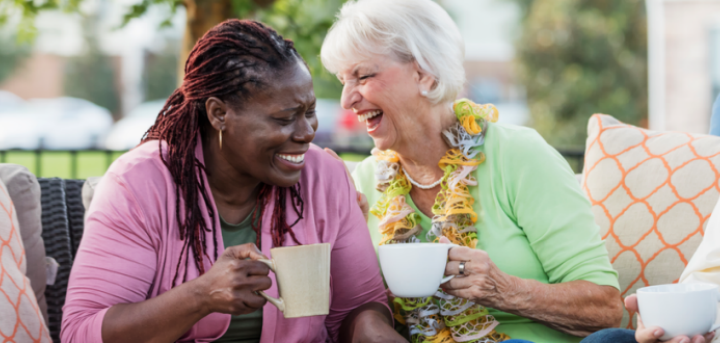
71	123
339	128
127	132
328	114
9	102
55	124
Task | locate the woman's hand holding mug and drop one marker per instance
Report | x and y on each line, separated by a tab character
231	285
482	281
652	334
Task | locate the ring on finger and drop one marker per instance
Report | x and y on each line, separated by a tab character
461	268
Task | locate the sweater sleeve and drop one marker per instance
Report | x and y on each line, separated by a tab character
704	266
354	270
115	263
547	203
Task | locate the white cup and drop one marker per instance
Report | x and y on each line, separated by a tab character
680	309
414	270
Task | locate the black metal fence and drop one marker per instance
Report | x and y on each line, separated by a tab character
575	157
37	164
36	160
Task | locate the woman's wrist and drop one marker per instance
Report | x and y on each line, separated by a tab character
197	292
514	294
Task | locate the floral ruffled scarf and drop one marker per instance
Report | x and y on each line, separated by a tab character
441	318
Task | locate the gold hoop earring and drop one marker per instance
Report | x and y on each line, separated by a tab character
220	137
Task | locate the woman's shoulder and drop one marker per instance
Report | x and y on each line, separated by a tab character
322	170
141	168
512	143
508	135
320	162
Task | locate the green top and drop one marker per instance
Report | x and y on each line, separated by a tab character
533	220
245	328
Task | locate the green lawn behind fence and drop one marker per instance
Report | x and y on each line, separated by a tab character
89	163
59	164
95	163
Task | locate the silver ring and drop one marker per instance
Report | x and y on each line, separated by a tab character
462	268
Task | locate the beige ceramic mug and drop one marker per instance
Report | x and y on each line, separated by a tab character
303	276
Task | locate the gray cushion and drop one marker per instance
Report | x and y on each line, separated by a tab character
24	191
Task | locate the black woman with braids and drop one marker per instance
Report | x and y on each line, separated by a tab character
170	245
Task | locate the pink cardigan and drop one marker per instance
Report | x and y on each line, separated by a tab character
131	247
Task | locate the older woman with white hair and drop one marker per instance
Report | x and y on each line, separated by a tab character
531	264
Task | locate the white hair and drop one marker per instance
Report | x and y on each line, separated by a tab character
407	30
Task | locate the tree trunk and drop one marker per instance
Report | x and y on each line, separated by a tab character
202	15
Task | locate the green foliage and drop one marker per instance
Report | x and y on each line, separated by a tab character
160	71
306	22
91	76
137	10
26	11
579	57
12	55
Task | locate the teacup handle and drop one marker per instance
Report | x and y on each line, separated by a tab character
278	302
448	278
716	326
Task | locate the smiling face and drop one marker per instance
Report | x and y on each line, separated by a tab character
266	136
386	95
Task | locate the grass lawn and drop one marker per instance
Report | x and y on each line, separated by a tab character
95	163
60	163
88	163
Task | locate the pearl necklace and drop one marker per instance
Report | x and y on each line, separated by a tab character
419	185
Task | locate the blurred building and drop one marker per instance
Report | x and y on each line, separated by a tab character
684	63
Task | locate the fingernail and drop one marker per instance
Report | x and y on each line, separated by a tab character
658	333
684	340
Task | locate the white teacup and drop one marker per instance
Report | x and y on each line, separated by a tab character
303	276
680	309
414	269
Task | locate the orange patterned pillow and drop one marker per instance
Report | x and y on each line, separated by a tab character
652	194
21	320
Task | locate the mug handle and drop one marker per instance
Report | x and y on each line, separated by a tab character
278	302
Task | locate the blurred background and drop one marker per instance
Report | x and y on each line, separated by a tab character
82	80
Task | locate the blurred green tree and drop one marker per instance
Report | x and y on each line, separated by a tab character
304	21
160	73
579	57
12	54
91	76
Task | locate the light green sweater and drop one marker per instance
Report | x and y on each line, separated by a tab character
533	220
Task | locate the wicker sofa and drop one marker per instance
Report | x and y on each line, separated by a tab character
50	236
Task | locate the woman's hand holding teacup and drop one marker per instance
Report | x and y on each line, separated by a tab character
481	282
652	334
231	285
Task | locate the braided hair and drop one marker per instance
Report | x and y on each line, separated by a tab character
228	62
